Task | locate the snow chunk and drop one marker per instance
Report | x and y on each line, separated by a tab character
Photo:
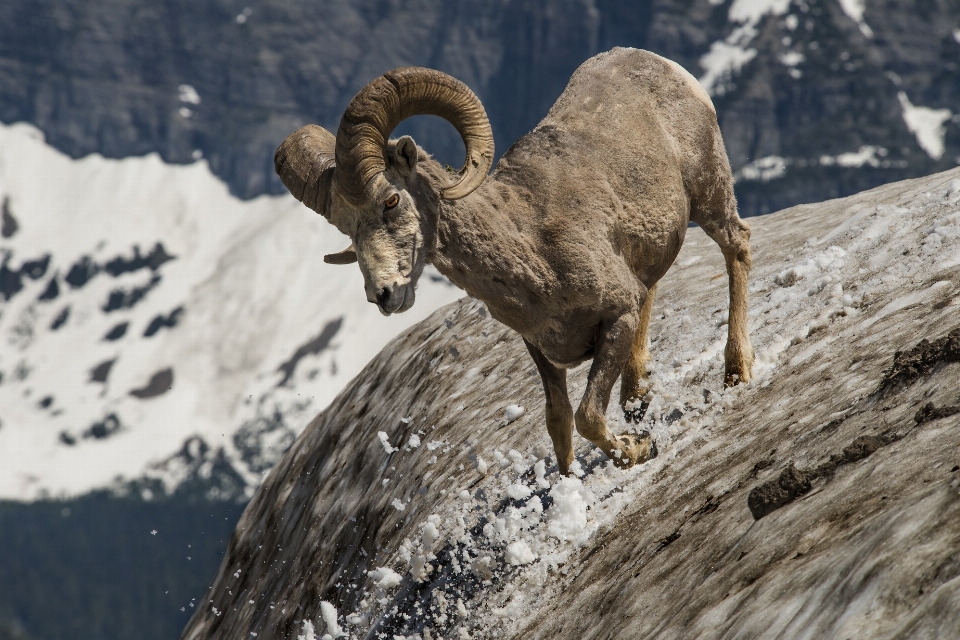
397	504
519	553
329	614
926	124
431	532
567	517
518	491
414	441
385	577
385	441
309	633
540	469
513	412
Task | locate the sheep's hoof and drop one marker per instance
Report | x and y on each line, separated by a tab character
735	377
636	449
636	414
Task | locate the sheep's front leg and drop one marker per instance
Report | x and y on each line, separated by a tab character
610	355
559	411
633	380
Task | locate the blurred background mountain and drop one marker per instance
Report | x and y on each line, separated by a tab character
816	99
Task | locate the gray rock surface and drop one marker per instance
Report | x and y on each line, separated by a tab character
821	500
106	76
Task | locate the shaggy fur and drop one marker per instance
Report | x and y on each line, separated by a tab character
566	240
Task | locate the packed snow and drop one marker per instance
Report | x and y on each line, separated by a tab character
153	325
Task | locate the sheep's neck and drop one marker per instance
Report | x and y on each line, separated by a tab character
483	248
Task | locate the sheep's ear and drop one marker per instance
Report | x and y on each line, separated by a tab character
347	256
405	157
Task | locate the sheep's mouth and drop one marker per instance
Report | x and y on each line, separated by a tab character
396	299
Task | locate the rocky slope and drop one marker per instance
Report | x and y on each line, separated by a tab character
821	500
816	98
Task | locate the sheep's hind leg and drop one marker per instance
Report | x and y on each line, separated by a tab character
610	355
633	379
733	236
559	411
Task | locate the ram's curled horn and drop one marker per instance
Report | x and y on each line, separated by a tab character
399	94
305	164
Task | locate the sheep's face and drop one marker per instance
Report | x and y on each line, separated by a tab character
389	234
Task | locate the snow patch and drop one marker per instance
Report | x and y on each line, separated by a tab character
725	58
854	10
866	155
188	94
926	124
763	169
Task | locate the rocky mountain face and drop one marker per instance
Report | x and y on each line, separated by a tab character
816	98
820	500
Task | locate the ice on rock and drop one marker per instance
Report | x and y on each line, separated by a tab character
519	553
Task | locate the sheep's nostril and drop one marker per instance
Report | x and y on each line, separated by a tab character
382	296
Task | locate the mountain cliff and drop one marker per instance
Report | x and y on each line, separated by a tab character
816	98
820	500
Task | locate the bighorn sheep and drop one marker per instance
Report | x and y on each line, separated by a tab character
564	242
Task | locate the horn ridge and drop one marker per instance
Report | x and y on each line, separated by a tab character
305	162
395	96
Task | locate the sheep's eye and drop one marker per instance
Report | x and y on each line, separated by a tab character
391	202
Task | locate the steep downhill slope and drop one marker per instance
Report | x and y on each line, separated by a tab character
158	331
821	500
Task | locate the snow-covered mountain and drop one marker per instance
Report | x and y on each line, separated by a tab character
155	330
870	85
